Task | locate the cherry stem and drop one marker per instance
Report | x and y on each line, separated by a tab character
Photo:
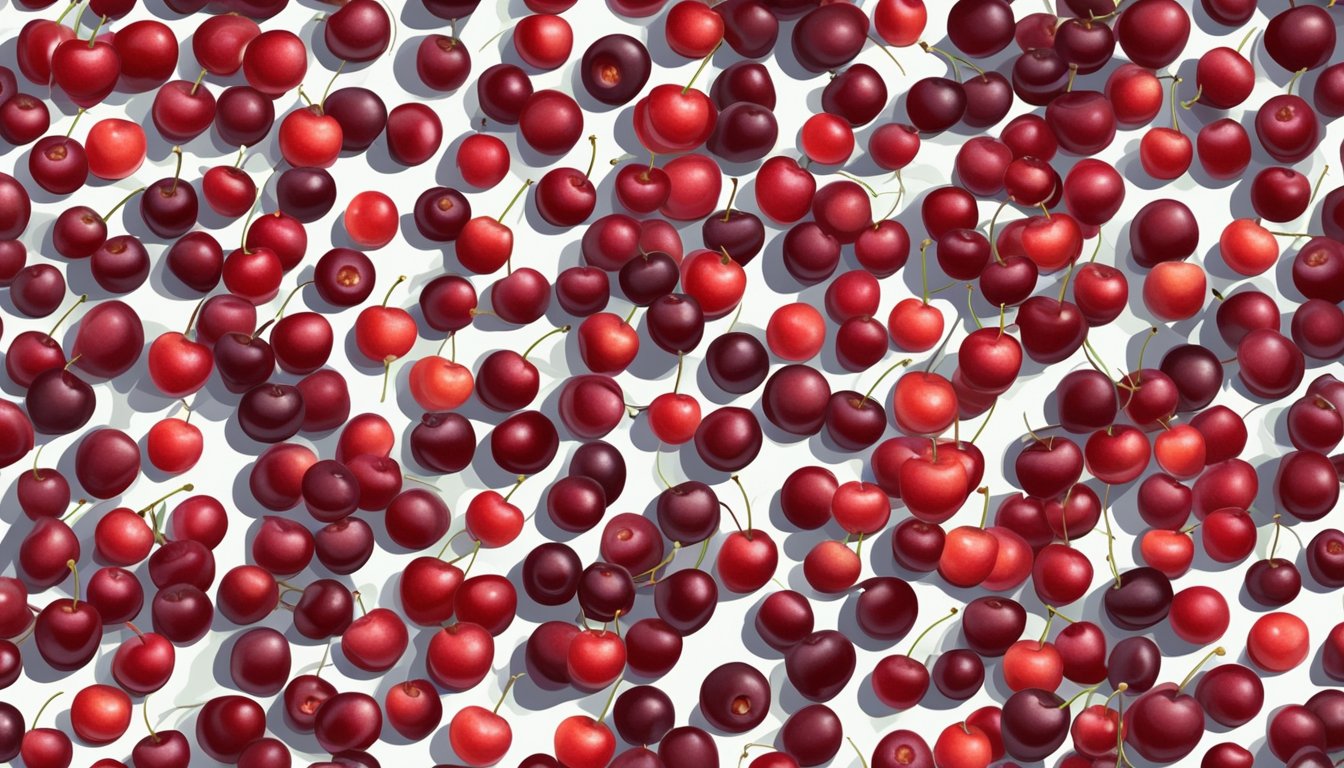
728	209
516	483
387	296
951	59
984	512
1274	545
929	368
72	6
1085	692
592	159
1175	120
504	693
516	196
1317	188
631	315
74	571
658	465
871	192
78	506
929	629
247	223
326	653
1073	75
869	394
988	414
360	600
192	320
681	360
43	708
447	543
1289	529
74	122
37	456
1034	436
1293	234
1045	633
280	312
451	337
1138	371
1095	359
124	200
883	47
93	36
703	63
487	43
188	488
900	195
1064	284
83	297
1055	612
552	332
652	573
924	269
322	103
144	711
862	761
474	550
736	316
1110	537
1219	651
745	501
1293	80
704	550
970	306
993	221
858	550
610	699
1246	39
736	522
177	172
196	85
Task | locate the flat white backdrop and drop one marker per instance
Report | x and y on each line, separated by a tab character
131	403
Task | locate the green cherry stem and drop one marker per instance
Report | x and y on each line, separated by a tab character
927	630
1219	651
504	693
869	394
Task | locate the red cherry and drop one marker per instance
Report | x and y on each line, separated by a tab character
1278	642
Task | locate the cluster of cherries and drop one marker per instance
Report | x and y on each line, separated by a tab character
1109	426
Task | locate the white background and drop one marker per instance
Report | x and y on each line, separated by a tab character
132	404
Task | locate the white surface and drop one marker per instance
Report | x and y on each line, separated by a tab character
130	402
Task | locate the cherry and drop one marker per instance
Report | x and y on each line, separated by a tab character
1224	149
23	119
42	746
1035	723
37	290
67	631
